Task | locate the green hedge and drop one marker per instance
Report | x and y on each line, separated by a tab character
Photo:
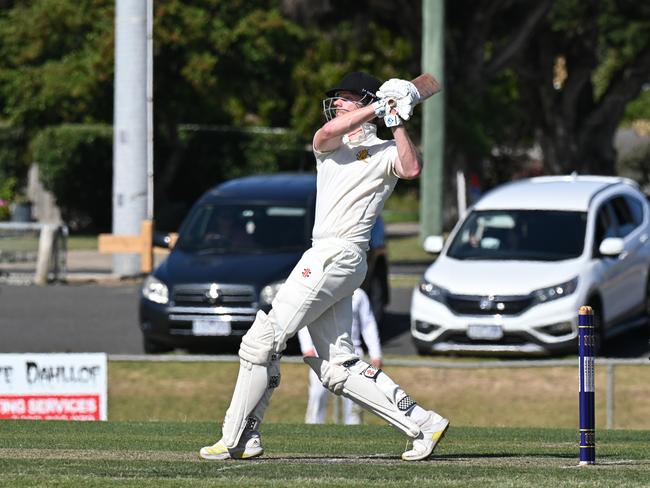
13	168
76	165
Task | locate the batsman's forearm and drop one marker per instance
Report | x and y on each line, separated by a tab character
409	158
343	124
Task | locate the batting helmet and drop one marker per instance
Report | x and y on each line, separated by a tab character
358	82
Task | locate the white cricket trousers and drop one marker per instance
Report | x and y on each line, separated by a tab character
318	294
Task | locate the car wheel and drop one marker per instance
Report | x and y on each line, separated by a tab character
647	301
423	348
377	297
154	347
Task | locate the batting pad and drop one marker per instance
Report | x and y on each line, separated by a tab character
251	385
365	392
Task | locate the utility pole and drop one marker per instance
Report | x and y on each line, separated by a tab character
150	110
433	123
130	127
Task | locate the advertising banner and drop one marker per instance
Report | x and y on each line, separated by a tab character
54	386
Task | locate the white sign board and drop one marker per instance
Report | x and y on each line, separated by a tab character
54	386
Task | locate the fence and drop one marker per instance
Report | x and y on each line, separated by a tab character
32	252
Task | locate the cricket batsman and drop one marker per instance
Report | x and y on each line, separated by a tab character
356	172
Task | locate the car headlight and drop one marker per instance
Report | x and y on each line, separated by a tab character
267	295
155	290
434	292
557	291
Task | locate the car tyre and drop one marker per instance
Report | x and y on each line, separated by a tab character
647	301
423	348
152	346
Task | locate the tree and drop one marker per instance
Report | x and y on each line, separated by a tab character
223	63
557	73
502	60
590	59
489	131
56	62
55	67
216	62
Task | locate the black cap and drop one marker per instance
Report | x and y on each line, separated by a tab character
357	82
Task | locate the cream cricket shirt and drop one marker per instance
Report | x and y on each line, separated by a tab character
353	184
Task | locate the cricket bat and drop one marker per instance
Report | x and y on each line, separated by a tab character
427	86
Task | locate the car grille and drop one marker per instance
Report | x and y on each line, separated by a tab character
488	305
224	295
236	304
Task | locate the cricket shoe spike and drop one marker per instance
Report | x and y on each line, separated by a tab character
250	446
431	433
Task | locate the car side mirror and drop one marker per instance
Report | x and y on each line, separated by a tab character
433	244
167	241
611	246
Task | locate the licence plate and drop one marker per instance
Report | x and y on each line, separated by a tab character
210	328
485	332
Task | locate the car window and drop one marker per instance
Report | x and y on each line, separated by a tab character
223	228
605	225
531	235
624	216
636	207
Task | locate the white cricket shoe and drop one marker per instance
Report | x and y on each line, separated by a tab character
431	433
250	446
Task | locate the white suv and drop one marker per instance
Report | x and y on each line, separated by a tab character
528	254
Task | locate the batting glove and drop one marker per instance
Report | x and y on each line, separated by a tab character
403	88
380	107
400	95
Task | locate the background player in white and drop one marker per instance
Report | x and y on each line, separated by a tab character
364	330
357	172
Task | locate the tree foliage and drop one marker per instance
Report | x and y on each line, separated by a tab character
218	63
75	162
557	73
56	62
605	48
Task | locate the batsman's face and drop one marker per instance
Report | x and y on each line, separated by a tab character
342	102
346	101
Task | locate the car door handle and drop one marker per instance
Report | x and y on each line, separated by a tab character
643	238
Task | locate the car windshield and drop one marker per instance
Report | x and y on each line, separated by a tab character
525	235
245	229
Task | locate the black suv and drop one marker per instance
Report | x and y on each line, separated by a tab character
236	246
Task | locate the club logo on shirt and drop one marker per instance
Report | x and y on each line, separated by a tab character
363	154
306	273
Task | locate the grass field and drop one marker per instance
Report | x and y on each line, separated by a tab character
407	249
82	242
162	454
516	397
23	243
